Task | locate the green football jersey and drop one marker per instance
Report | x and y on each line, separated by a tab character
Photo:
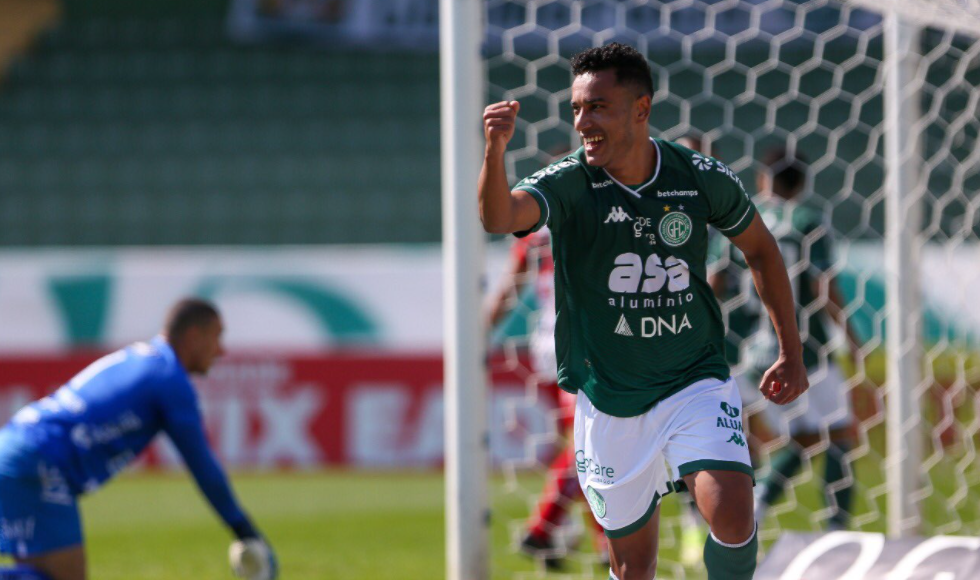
636	319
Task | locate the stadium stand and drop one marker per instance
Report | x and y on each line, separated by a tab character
142	124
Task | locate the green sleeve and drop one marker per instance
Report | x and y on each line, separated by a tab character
731	210
553	188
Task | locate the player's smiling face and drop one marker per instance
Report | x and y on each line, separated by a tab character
609	116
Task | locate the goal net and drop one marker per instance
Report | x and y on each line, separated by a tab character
745	77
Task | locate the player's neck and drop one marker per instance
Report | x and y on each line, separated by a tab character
637	166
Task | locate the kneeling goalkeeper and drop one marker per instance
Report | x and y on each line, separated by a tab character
74	440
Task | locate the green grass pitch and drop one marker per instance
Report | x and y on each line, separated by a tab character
378	525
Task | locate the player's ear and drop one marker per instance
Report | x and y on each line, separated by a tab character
641	108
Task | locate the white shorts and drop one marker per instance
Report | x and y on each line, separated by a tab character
622	463
826	405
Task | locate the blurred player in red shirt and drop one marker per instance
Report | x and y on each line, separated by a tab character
531	264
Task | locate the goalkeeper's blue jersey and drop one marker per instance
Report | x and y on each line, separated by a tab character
100	421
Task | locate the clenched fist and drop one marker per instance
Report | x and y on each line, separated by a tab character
785	381
498	124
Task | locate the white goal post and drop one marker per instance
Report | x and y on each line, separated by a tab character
467	441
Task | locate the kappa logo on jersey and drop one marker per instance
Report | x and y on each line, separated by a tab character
675	228
623	327
701	162
617	215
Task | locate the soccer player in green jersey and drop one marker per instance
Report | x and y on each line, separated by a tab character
806	243
639	335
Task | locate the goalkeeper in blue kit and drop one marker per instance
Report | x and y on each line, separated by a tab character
73	441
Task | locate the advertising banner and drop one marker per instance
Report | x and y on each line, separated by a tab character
356	410
871	557
380	298
284	299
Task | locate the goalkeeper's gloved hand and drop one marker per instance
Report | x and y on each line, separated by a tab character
251	557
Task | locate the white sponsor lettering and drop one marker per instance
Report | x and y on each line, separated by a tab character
386	429
722	168
285	437
678	193
85	436
602	184
18	529
286	421
657	326
630	270
550	170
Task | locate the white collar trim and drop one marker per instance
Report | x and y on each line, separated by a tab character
656	172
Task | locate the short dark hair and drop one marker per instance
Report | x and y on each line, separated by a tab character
187	313
630	66
786	167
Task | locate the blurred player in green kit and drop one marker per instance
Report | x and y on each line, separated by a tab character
822	418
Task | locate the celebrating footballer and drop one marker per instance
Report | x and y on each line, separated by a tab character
639	334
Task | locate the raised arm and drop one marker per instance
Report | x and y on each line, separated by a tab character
786	379
502	211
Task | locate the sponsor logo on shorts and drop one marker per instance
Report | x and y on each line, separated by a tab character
18	530
588	465
675	228
729	421
736	438
729	410
597	502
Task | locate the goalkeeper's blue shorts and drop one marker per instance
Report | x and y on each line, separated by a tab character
37	512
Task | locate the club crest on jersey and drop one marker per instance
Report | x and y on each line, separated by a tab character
675	228
617	215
